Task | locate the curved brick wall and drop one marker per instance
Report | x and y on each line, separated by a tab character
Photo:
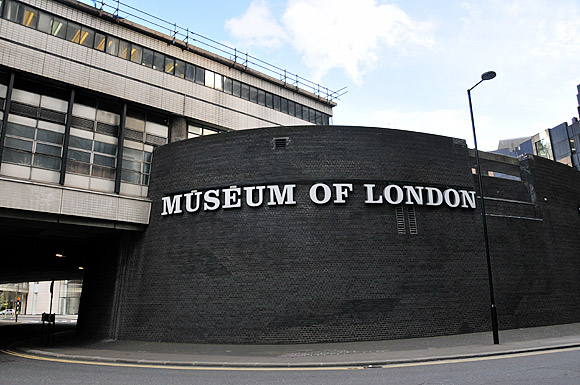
306	272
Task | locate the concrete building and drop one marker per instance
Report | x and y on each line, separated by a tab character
280	227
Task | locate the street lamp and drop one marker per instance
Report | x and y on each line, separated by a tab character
486	76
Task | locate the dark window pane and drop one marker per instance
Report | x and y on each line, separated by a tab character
73	32
47	149
228	85
147	58
254	94
285	105
78	168
129	165
158	61
148	156
105	148
100	41
87	37
318	118
103	172
245	91
82	143
49	136
169	65
146	168
261	97
179	69
190	72
312	118
58	27
20	130
136	53
305	113
269	100
131	176
11	156
199	75
291	108
132	154
325	119
11	11
299	110
81	156
104	160
277	102
112	45
237	88
49	162
44	22
18	144
123	49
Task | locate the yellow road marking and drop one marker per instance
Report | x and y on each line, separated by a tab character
386	366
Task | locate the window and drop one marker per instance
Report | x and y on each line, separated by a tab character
237	88
199	75
284	105
276	102
299	111
245	91
58	27
219	82
100	41
254	94
158	61
209	79
136	166
261	97
44	22
87	37
189	71
169	65
269	100
112	45
123	49
291	108
228	86
147	58
73	32
136	54
179	69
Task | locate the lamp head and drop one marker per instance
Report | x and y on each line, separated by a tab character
488	75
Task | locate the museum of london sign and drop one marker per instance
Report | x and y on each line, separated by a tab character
319	193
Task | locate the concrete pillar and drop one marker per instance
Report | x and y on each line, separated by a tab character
177	128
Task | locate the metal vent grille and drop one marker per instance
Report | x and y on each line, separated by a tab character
155	140
82	123
400	220
107	129
23	109
53	116
135	135
280	142
412	219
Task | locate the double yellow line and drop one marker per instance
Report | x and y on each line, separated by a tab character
386	366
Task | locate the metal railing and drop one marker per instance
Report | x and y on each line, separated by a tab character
124	11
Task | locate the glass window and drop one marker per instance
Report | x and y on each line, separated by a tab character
299	110
209	131
11	156
237	88
46	149
284	106
245	91
105	148
29	16
219	82
269	100
276	102
305	113
147	58
169	65
132	154
209	79
78	168
73	32
104	160
18	144
81	156
291	108
179	69
82	143
193	131
158	61
312	115
103	172
199	75
11	11
100	41
123	49
325	119
136	54
49	136
261	97
58	27
44	22
131	176
49	162
20	130
87	37
189	71
112	45
130	165
254	94
227	85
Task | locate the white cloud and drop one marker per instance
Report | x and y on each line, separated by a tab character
330	34
257	27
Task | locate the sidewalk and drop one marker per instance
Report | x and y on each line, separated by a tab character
313	355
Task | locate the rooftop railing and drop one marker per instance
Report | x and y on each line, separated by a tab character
124	11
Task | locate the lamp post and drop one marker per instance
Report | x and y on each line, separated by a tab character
494	326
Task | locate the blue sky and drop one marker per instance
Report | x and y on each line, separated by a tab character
408	64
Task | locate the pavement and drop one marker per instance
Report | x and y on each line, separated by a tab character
351	354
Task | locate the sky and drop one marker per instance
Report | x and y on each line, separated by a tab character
408	64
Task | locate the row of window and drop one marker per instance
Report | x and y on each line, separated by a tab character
64	29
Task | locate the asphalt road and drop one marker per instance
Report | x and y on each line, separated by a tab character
559	367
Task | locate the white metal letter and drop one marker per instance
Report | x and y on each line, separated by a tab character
434	200
414	195
342	190
370	194
250	195
314	195
449	200
285	197
468	199
212	202
387	193
188	201
172	206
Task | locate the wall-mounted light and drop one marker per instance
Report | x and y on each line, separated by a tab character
59	255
